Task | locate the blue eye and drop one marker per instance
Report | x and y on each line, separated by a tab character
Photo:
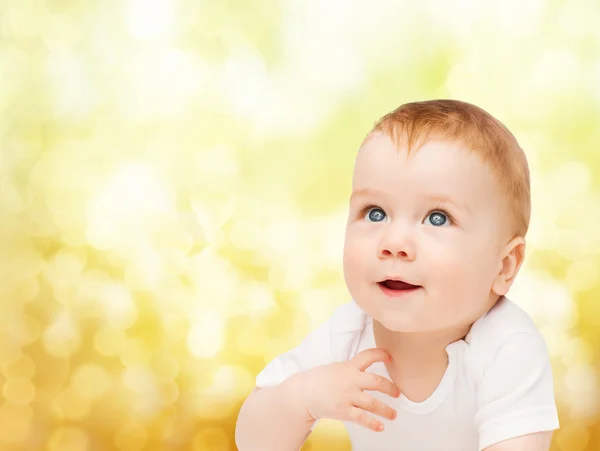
437	219
376	214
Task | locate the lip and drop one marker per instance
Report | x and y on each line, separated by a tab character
396	293
397	279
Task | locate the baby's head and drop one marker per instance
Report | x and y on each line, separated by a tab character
440	200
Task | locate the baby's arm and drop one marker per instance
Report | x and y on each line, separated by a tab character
276	415
538	441
272	418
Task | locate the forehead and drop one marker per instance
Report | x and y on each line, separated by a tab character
437	166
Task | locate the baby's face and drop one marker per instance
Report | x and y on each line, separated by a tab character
434	220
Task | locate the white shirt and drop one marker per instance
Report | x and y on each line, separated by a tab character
498	383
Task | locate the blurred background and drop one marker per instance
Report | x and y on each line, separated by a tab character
174	180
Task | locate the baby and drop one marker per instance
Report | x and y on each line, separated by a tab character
429	354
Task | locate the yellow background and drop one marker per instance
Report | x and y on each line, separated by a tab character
174	178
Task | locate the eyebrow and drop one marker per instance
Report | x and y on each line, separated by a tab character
429	196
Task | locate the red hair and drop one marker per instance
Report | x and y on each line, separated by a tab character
413	124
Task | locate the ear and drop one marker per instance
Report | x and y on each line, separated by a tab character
512	259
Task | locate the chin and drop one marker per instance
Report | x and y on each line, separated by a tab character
398	321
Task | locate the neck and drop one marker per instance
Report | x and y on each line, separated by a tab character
417	348
425	348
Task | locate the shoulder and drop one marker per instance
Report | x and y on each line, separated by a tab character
346	329
345	323
510	364
504	319
505	323
348	318
335	339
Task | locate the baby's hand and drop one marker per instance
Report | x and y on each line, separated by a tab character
336	390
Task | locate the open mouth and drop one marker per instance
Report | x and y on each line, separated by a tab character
397	287
397	284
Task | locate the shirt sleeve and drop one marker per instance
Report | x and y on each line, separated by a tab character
516	393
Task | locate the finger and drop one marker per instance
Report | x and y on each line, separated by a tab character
361	418
370	404
368	357
375	382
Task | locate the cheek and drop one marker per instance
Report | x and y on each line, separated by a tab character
457	267
352	258
355	263
462	281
